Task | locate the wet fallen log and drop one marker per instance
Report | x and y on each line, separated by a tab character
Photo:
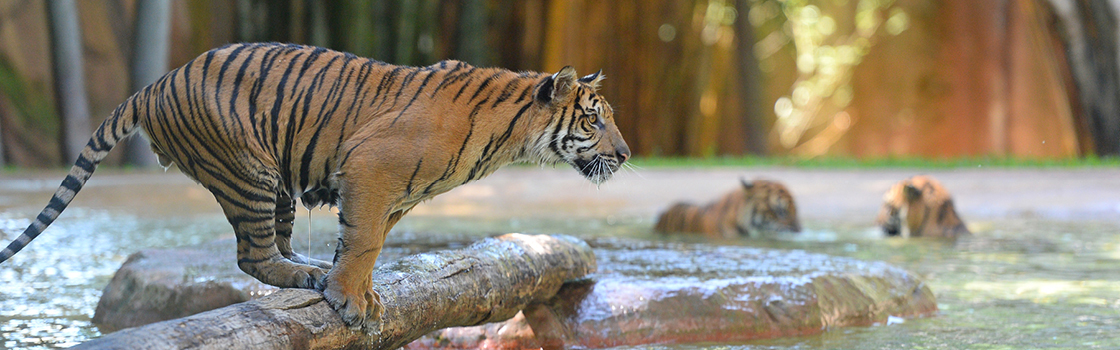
489	281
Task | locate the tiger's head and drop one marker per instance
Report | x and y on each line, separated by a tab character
581	130
895	200
770	207
928	208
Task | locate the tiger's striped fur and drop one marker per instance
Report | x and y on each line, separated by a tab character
260	125
928	208
755	207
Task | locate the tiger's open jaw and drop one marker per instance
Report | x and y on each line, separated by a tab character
597	169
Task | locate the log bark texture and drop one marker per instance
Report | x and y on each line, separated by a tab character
489	281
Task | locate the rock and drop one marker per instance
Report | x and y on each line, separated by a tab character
161	284
512	334
648	293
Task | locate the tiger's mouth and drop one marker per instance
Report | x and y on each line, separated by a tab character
892	223
598	169
892	230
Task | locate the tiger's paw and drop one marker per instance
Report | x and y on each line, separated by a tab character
360	310
309	277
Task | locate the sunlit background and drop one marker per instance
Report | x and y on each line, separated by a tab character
702	82
868	79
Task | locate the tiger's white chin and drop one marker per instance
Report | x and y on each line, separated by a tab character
599	179
597	170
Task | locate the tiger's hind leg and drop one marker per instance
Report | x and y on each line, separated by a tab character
285	216
251	209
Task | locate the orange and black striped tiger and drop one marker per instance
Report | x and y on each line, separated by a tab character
260	125
755	207
928	208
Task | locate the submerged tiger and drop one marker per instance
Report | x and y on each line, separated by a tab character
928	208
755	207
260	125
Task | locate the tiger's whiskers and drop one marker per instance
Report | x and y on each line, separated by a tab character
633	169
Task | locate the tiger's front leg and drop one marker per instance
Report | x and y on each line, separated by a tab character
364	219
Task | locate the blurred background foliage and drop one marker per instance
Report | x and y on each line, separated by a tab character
868	79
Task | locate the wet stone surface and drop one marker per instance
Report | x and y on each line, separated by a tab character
644	292
648	292
161	284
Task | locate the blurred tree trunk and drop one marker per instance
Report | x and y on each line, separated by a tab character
356	28
427	33
408	15
3	156
1090	28
266	20
381	30
471	45
149	63
69	81
279	21
318	33
753	125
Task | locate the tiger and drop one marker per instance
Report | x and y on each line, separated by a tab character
262	124
928	208
756	206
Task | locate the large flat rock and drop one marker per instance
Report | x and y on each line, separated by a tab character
650	292
644	292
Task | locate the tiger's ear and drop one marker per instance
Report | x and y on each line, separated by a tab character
746	184
557	87
593	80
912	193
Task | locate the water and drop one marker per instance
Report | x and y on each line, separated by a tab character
1017	283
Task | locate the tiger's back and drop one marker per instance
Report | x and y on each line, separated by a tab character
755	207
289	110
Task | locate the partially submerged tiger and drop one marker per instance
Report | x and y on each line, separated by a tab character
928	208
755	207
260	125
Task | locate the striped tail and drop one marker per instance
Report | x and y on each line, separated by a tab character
118	126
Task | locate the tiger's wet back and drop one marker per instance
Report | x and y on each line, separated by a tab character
752	208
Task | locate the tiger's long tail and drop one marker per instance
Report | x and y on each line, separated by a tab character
120	124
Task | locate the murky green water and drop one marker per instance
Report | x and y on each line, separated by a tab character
1016	284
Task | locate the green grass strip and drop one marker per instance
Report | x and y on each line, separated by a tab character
853	163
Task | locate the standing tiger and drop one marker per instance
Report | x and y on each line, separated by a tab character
755	207
928	206
262	124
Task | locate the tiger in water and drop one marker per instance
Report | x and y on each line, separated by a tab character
928	208
262	124
752	208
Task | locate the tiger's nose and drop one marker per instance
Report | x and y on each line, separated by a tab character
622	153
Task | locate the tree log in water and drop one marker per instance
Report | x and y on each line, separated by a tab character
487	282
